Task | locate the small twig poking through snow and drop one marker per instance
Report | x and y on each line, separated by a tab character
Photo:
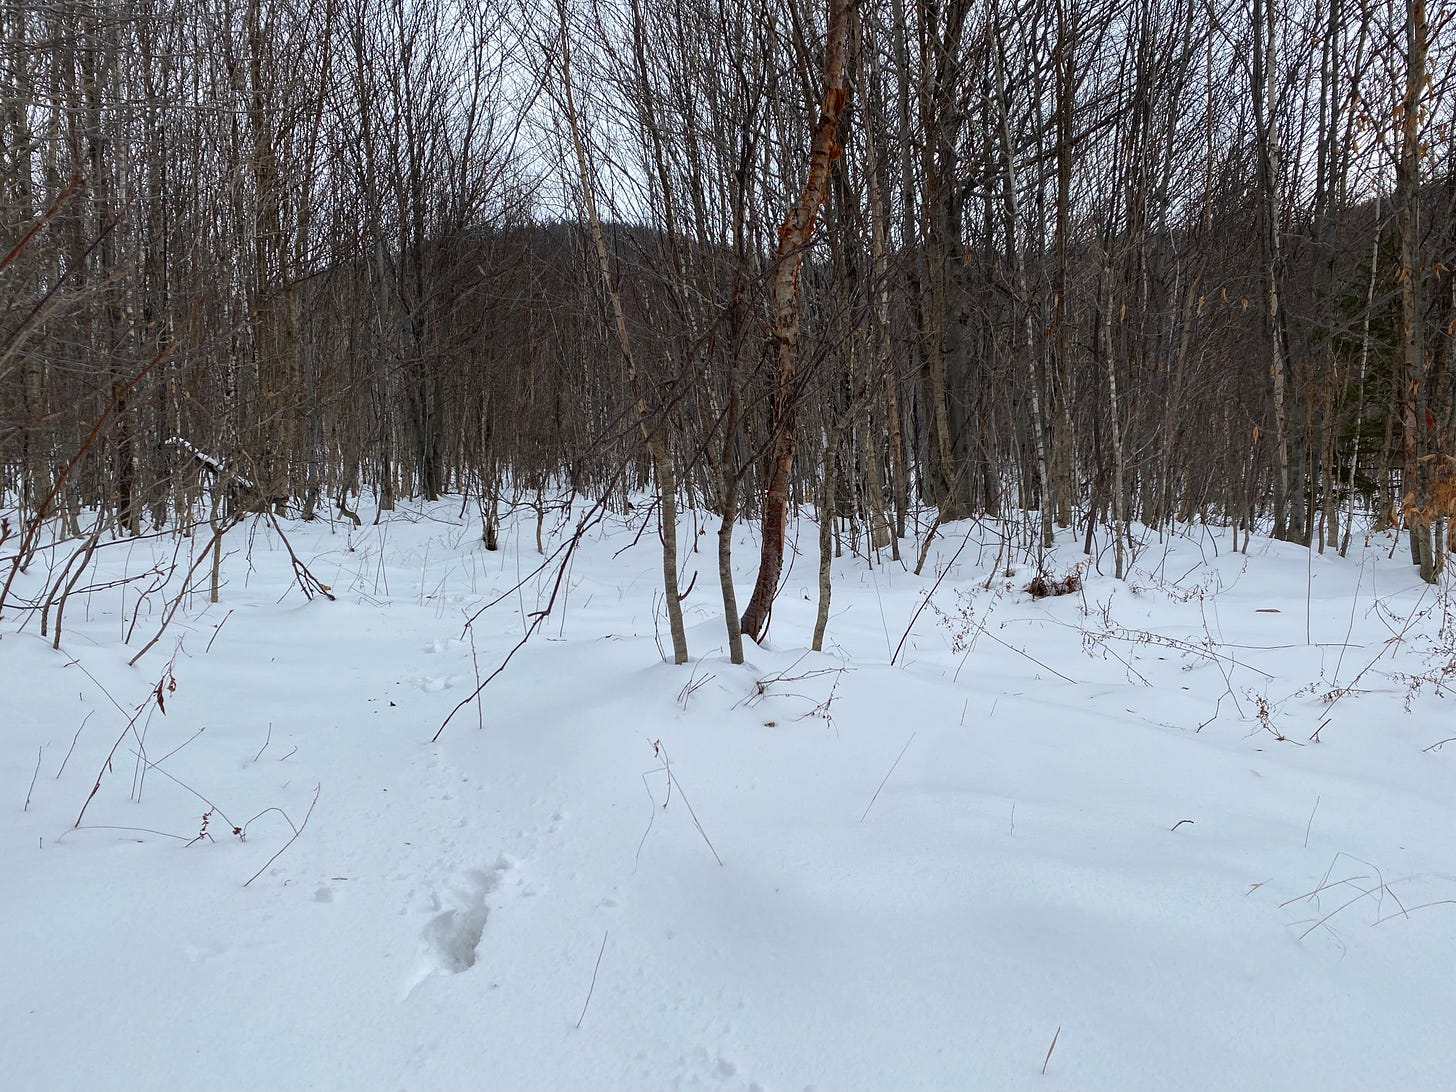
592	988
1405	913
267	740
1379	889
1396	639
475	662
825	709
1051	1048
692	686
179	746
887	777
131	730
661	752
1438	745
216	631
135	830
265	811
1310	824
931	593
296	833
38	752
79	666
657	627
74	738
1026	655
650	820
1180	822
1363	894
568	549
211	807
1325	884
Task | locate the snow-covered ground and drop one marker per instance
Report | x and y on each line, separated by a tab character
1196	826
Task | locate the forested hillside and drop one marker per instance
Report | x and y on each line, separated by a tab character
1096	262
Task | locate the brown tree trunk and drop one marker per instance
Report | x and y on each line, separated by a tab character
1413	385
794	235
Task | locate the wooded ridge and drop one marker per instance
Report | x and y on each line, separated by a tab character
1104	263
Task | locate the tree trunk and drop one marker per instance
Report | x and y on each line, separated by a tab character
656	444
794	235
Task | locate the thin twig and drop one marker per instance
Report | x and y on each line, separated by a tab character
176	603
931	593
1051	1048
1308	825
215	632
130	729
592	988
38	752
637	860
1324	885
73	662
590	520
108	826
179	746
672	778
149	764
290	841
1363	894
1022	652
74	738
475	662
264	812
887	776
1404	913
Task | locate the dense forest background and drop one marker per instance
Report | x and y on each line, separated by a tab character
1081	263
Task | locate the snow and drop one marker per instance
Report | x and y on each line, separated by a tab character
1017	831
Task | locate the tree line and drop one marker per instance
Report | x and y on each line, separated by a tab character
1089	263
